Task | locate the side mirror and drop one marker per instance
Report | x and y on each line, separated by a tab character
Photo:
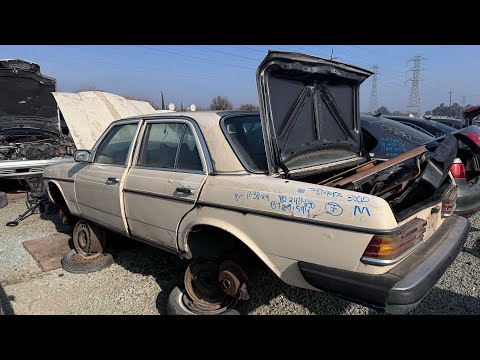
83	156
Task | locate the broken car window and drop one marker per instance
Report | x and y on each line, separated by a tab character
114	148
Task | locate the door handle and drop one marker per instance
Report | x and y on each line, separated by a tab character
185	190
113	180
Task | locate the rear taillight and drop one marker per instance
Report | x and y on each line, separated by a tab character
449	202
458	169
475	137
388	249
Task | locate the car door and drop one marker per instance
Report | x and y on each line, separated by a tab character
97	184
164	181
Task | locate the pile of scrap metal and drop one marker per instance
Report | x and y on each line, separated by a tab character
38	129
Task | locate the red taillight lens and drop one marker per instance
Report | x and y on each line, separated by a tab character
475	137
388	249
458	169
449	202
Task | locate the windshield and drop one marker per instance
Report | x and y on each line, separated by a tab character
385	138
246	137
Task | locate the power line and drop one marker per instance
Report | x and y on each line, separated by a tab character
195	57
373	104
226	53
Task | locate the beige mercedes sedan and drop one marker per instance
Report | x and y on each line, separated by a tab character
290	186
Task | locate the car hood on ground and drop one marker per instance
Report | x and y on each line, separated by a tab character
309	108
89	113
26	96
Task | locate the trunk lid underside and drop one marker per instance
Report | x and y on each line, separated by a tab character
309	110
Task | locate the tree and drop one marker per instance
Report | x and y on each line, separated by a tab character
248	107
221	103
452	111
88	87
383	110
163	102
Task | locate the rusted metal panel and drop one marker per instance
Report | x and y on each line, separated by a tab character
89	113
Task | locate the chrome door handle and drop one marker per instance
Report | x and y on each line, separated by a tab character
185	190
113	180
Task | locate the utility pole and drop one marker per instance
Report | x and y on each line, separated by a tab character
413	106
463	101
373	103
450	92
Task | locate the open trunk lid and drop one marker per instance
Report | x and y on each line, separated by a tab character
309	108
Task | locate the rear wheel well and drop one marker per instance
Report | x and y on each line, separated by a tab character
211	241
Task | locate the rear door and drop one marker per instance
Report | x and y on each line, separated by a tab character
97	183
162	185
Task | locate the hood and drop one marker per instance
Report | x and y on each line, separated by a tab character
89	113
309	108
26	96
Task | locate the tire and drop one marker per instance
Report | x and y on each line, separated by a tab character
97	262
176	306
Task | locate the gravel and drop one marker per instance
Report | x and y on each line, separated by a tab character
142	277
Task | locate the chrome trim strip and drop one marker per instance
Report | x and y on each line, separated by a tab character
59	179
172	170
161	196
383	262
245	211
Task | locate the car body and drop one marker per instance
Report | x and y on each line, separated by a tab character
428	126
32	133
466	168
292	184
449	121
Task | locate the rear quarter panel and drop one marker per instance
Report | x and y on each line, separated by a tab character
291	219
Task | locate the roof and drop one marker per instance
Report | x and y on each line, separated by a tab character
223	157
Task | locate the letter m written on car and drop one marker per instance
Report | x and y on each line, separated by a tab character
361	210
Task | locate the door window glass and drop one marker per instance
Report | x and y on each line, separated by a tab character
115	146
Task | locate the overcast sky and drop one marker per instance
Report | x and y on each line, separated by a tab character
196	73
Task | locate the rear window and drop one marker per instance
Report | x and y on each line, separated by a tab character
245	135
386	139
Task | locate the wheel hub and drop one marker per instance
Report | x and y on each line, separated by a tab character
233	280
82	241
205	294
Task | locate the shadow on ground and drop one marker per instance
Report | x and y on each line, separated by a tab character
5	302
168	271
446	302
475	251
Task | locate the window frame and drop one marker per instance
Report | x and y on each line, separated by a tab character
143	138
234	147
105	134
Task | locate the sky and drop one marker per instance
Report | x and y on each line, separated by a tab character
194	74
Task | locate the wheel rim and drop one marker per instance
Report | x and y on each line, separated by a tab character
81	240
204	294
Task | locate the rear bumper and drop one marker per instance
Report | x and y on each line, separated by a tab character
401	289
468	200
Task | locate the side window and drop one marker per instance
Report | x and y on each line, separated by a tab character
114	147
188	157
160	145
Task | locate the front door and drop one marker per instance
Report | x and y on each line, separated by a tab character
96	185
162	185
